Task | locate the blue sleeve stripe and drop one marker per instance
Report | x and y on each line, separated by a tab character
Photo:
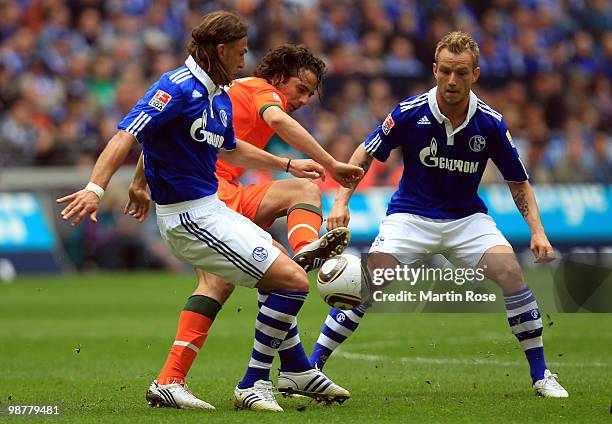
373	144
405	107
138	124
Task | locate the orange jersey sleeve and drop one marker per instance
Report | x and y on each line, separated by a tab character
250	98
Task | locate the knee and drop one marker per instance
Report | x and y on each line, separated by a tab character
308	192
284	274
509	275
222	291
298	280
218	289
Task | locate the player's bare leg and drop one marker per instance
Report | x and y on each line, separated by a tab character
283	194
381	261
300	200
500	265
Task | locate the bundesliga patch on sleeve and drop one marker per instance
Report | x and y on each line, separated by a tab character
160	100
388	124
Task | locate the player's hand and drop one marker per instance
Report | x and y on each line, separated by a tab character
83	202
138	203
345	174
541	248
339	216
306	168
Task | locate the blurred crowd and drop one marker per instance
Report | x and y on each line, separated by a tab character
69	70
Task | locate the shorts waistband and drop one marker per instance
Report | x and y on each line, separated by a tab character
425	218
189	205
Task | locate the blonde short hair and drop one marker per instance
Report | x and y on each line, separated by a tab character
458	42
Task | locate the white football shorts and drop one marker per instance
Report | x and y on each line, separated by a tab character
207	234
411	238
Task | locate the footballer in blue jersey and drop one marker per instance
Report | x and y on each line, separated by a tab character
447	162
446	137
184	116
183	123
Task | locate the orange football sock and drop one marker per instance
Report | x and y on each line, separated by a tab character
303	224
194	322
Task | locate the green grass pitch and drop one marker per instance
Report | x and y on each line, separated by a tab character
93	343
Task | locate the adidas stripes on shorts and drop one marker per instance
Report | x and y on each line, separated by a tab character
207	234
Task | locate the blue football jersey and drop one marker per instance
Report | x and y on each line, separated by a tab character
443	166
181	123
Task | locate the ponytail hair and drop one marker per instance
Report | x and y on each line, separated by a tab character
214	29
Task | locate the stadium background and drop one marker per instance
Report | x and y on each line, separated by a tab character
92	340
70	70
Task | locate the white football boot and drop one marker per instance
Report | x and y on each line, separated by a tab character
549	386
331	244
312	383
174	395
258	398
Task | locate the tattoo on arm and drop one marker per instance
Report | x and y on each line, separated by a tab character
365	165
520	199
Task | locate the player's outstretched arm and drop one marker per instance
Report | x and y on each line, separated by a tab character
246	155
296	136
339	215
87	201
525	201
139	200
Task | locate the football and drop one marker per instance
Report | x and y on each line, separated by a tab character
340	282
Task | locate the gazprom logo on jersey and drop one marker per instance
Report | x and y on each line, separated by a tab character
429	158
198	132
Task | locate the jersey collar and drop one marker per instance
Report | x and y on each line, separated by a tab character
435	110
212	88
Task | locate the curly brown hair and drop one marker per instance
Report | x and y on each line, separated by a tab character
288	60
214	29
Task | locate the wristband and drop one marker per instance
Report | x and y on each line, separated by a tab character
95	188
288	165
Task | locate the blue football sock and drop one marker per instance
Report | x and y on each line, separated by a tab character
339	325
526	324
274	320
